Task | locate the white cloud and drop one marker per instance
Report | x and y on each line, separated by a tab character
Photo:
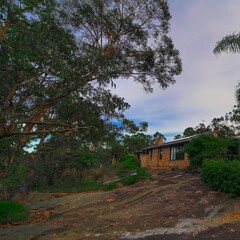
206	87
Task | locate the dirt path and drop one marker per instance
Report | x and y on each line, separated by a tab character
173	206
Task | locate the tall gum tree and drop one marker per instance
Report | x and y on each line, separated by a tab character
51	49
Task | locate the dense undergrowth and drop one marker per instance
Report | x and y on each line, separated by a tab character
131	171
128	171
222	175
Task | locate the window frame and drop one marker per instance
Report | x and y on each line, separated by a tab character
160	153
151	154
177	153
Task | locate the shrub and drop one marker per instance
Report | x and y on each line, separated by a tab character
17	175
130	180
207	146
130	162
142	172
131	171
222	175
110	186
12	212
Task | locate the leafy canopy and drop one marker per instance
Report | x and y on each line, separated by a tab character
58	57
53	49
207	147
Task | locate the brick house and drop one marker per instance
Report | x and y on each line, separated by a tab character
166	155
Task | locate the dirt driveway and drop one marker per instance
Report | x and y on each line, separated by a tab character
173	205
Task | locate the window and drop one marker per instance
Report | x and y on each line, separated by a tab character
177	153
150	154
160	153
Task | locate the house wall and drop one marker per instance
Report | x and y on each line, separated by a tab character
144	158
152	160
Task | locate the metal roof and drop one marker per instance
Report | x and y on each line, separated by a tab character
171	143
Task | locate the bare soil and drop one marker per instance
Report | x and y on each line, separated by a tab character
174	205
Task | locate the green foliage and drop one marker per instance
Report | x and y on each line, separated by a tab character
207	146
89	186
110	186
137	139
12	212
219	125
137	142
230	43
178	136
188	132
222	175
47	71
43	61
16	178
130	162
132	171
130	180
129	170
142	172
234	115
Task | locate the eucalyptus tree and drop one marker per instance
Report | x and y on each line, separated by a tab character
223	126
178	136
54	49
189	131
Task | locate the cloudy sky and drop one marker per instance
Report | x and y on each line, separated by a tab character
205	89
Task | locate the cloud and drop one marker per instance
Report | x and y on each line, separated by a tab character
206	86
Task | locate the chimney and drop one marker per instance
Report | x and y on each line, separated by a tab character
159	140
215	133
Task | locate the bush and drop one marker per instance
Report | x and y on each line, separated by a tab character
131	171
110	186
141	172
16	178
12	212
130	162
130	180
222	175
208	146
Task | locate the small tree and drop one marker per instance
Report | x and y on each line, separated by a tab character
178	136
188	132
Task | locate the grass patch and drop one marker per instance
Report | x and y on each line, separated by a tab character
12	212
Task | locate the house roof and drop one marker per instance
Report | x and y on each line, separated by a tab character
172	143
